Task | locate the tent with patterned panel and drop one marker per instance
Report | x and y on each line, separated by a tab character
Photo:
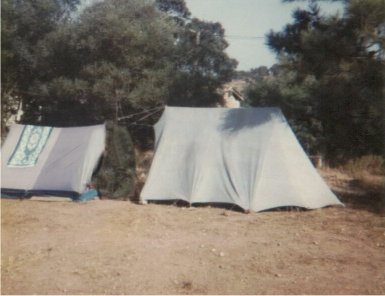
51	161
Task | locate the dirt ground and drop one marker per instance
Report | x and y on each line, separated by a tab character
52	246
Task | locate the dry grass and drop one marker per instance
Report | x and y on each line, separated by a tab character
360	183
364	166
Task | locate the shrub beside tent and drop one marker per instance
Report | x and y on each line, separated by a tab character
115	177
247	156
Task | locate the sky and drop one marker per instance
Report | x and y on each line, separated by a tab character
246	23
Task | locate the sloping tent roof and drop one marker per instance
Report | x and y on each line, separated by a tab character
39	160
248	156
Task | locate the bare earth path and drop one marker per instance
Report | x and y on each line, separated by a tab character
117	247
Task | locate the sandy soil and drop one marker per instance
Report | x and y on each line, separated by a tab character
117	247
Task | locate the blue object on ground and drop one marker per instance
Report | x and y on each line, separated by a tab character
88	195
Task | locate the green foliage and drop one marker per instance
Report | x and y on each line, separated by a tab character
176	8
114	59
331	79
202	65
23	25
115	178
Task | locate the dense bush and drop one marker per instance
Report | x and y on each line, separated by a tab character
116	175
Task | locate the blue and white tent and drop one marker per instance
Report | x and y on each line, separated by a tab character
41	160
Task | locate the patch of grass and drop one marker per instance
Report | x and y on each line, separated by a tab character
368	164
368	176
368	172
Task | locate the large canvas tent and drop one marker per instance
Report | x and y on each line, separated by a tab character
247	156
41	160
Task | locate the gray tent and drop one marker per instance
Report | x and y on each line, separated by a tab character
39	160
248	156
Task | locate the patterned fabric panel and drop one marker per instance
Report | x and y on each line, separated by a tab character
30	145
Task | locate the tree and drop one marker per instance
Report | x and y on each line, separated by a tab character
343	58
176	8
23	25
113	60
202	66
118	58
